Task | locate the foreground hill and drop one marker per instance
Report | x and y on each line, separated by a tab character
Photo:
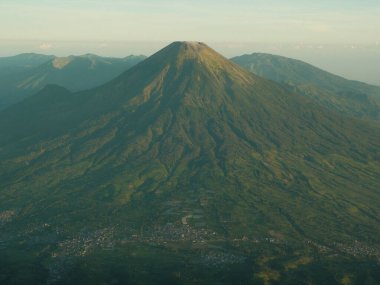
187	152
74	73
332	91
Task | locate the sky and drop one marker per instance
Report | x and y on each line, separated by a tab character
333	34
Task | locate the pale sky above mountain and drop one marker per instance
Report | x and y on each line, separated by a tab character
322	21
102	26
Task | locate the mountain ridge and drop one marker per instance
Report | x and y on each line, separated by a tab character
349	97
73	72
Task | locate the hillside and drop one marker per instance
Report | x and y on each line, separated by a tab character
73	72
331	91
188	152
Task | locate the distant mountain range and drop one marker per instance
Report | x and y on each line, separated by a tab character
331	91
26	74
22	62
190	158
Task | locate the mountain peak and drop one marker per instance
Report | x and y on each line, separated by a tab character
182	66
190	50
192	45
186	58
181	52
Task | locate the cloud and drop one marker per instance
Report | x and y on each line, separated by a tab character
46	46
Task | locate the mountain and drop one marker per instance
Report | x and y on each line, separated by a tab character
73	72
347	96
188	167
22	62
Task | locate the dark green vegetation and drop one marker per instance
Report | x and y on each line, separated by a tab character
26	74
180	263
349	97
182	167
